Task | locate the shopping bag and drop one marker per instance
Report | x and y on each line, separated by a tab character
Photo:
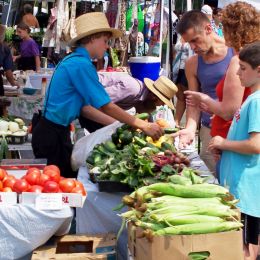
69	32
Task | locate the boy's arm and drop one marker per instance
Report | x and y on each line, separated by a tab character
249	146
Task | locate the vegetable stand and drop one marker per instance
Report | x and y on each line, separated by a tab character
97	215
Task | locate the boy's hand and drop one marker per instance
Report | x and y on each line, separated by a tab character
153	130
216	142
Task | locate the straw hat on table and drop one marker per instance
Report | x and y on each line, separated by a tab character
91	23
163	88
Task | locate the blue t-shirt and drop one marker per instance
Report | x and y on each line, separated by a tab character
74	84
241	172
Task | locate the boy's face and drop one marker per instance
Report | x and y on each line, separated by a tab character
21	33
247	75
101	45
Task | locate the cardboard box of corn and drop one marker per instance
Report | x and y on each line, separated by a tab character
175	222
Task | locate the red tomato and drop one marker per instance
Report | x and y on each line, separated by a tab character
79	184
9	181
43	178
50	187
79	190
7	189
20	186
3	174
1	186
33	169
66	185
54	175
33	177
35	188
52	167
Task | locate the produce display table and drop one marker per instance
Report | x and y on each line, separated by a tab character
97	215
24	228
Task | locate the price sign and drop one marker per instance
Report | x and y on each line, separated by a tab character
51	201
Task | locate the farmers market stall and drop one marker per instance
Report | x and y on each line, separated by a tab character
98	208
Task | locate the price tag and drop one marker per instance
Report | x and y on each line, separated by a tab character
51	201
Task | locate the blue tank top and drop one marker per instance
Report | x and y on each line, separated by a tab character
209	75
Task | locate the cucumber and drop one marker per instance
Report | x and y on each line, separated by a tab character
109	146
170	130
126	137
115	138
142	116
140	141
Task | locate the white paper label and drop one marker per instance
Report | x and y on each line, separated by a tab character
51	201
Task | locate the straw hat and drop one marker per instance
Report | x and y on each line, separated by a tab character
163	88
91	23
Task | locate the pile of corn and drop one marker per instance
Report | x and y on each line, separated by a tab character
174	209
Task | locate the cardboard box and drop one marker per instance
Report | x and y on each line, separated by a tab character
102	247
70	199
221	246
8	198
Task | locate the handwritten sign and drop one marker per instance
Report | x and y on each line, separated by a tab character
49	201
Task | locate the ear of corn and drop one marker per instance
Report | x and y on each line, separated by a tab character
199	228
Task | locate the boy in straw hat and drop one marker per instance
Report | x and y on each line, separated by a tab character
75	89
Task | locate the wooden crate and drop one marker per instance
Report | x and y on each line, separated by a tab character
101	247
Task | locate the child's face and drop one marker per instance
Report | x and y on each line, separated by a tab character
21	33
247	75
100	46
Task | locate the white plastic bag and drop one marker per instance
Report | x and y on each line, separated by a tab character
85	145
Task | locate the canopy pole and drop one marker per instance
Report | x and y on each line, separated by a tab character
161	29
8	12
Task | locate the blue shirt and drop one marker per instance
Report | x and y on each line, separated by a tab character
241	172
74	84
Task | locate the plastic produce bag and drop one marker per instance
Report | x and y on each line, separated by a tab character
85	145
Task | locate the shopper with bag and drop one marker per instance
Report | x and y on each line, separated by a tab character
75	89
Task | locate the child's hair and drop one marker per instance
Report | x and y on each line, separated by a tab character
251	54
23	26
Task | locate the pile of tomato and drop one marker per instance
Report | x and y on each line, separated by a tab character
48	180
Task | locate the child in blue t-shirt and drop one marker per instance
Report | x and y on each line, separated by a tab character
240	161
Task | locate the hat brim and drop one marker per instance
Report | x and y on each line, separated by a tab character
150	85
115	34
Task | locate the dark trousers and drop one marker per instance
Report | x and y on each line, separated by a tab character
52	141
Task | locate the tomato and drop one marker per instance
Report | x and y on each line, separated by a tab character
3	174
7	189
66	185
79	184
1	186
52	167
35	188
9	181
50	187
79	190
54	175
33	177
33	169
43	178
20	186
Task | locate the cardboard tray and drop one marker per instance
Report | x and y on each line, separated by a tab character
88	247
221	246
110	186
